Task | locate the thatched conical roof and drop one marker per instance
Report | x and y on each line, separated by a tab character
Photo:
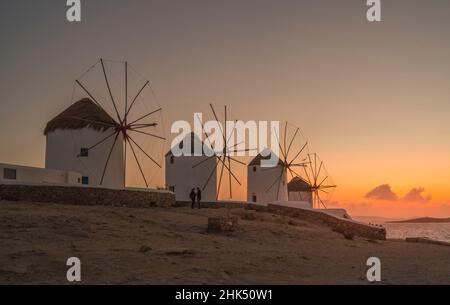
194	140
267	155
82	114
298	185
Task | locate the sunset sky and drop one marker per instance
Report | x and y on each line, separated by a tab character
373	99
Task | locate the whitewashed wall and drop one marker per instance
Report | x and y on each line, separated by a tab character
64	147
182	177
258	182
301	196
25	174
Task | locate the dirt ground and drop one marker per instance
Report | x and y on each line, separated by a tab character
172	246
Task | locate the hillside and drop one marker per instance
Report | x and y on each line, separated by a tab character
171	246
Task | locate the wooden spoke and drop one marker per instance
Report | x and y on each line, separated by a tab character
229	178
232	174
220	181
148	134
276	180
136	97
217	120
299	153
110	92
138	164
109	157
146	116
140	148
212	173
88	93
292	141
102	141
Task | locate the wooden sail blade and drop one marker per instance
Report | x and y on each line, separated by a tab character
285	140
125	162
217	120
299	153
292	141
220	181
316	176
328	186
126	91
140	148
102	141
311	167
204	132
135	98
138	164
146	116
214	170
88	93
299	165
229	178
110	92
142	126
108	158
232	174
320	184
318	173
307	177
275	182
279	145
148	134
320	200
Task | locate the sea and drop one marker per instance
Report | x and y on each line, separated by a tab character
435	231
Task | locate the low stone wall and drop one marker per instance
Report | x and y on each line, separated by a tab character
213	205
347	228
87	196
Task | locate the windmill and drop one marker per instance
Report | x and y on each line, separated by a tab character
134	119
293	148
224	157
319	180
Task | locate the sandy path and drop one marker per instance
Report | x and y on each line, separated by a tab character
171	246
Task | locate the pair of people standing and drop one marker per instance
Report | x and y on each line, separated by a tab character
196	196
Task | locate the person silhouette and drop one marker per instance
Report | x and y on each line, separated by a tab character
199	198
193	195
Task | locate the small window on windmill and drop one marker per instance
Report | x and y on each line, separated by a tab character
9	174
254	169
85	180
172	160
84	152
254	198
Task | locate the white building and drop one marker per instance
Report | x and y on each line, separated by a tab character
182	174
70	139
17	174
266	185
300	190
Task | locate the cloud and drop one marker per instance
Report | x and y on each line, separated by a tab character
415	195
382	192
